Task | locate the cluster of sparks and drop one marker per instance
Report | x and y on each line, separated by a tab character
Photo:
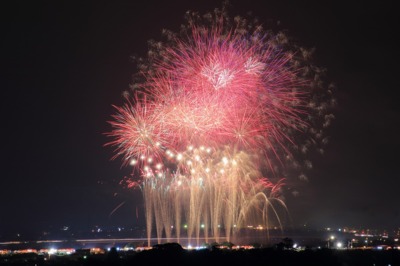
218	107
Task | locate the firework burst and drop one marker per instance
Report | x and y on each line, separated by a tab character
218	109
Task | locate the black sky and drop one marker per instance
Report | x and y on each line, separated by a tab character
64	63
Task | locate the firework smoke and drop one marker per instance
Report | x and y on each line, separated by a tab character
221	110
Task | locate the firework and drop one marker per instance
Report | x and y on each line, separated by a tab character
219	109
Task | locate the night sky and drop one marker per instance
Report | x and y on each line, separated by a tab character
65	63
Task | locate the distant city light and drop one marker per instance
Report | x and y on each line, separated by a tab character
52	251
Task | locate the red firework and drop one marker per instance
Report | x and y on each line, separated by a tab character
215	89
211	103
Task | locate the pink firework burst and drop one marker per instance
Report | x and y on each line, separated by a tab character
215	88
216	106
137	132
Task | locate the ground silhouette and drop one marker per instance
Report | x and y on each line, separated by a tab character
173	254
